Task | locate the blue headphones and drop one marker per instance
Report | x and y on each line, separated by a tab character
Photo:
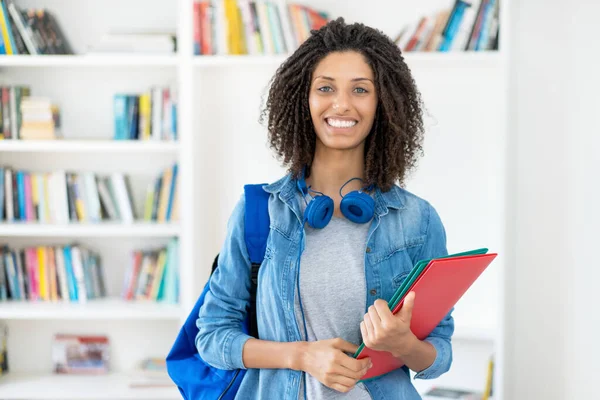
357	205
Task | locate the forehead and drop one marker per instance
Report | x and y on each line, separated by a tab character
344	66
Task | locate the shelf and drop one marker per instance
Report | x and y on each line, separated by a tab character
21	386
96	60
87	146
118	60
221	61
97	309
466	57
433	58
103	229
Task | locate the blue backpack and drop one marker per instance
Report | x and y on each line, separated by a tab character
195	379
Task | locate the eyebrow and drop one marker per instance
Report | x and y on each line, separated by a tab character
328	78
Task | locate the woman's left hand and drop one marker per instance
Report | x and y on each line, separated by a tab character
381	330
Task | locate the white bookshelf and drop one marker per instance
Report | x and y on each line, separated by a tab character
220	143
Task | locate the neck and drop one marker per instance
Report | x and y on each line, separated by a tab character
333	168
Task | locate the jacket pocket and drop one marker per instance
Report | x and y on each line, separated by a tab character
398	279
409	246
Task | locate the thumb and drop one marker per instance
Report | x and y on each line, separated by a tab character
345	346
405	313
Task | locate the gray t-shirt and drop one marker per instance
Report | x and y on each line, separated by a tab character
333	293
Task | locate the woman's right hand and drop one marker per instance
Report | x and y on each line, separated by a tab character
327	362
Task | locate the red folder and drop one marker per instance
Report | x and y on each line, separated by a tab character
439	287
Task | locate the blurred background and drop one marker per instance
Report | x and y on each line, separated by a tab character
130	127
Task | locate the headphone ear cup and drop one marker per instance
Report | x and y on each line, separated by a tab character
358	207
319	211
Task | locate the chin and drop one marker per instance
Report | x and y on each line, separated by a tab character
340	143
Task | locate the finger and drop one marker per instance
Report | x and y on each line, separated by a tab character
405	313
343	380
352	364
375	318
383	310
363	331
353	368
340	388
369	326
344	345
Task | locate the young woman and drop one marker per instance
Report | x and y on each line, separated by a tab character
344	115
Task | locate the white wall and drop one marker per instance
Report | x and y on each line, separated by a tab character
583	317
552	284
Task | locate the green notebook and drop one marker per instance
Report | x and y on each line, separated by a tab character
415	272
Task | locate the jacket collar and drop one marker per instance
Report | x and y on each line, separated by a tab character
286	189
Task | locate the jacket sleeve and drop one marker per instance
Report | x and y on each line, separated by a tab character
435	246
220	339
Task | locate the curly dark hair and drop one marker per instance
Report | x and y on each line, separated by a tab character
395	140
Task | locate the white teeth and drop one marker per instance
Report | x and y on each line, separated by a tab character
336	123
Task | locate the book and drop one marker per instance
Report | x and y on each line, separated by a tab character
30	31
136	42
471	25
151	372
63	197
438	285
3	348
150	273
489	381
243	27
75	354
150	115
50	273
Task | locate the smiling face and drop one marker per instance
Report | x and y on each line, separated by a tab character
342	100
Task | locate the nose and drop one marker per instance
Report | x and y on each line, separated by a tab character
341	103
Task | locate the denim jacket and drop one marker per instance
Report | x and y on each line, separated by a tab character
405	229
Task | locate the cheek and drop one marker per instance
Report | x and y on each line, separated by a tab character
368	110
316	106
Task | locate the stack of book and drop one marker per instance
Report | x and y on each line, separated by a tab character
31	31
152	275
252	27
469	25
62	197
39	119
151	115
70	273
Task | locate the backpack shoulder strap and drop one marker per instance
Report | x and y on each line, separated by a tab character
256	221
256	231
